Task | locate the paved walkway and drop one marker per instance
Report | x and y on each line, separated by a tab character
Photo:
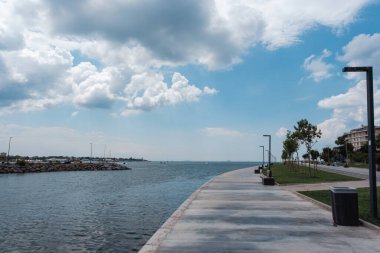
234	212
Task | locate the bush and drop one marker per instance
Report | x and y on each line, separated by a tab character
360	157
21	163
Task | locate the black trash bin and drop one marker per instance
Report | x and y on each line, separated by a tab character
344	205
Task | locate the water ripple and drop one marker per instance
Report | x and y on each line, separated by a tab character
95	211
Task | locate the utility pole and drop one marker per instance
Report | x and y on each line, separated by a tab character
9	148
91	152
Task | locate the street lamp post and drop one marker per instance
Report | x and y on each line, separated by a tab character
104	153
263	157
371	136
91	152
9	147
328	155
346	153
269	155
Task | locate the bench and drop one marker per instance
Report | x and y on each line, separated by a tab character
267	180
257	171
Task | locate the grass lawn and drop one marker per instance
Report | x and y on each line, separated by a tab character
363	201
284	175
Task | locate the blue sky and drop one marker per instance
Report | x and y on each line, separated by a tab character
189	80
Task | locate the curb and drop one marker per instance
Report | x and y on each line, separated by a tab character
328	208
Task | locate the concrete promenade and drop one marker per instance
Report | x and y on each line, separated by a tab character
234	212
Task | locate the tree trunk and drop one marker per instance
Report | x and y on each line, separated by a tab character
298	161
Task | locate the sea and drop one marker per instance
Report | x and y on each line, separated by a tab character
97	211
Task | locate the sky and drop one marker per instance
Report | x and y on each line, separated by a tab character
181	80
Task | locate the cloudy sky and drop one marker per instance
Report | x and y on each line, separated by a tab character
181	80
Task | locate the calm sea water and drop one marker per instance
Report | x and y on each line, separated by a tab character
96	211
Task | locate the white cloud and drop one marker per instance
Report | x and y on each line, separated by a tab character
332	128
281	132
123	45
362	50
219	131
209	91
147	91
349	109
93	88
355	96
351	106
318	69
285	21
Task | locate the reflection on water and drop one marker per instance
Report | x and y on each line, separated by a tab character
102	211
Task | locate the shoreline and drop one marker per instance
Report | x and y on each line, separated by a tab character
55	167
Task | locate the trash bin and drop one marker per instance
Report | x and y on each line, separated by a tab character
344	205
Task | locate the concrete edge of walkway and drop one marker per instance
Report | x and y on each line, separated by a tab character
328	208
155	241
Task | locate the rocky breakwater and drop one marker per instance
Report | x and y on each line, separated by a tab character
50	167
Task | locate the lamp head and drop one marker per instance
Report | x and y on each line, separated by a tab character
356	69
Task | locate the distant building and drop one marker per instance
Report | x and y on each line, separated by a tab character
358	137
3	155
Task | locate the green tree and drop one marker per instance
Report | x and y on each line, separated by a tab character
290	145
284	155
307	134
377	141
326	155
341	140
341	148
364	148
314	156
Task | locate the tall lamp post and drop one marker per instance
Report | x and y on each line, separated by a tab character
91	152
263	156
328	155
269	155
9	147
346	152
371	136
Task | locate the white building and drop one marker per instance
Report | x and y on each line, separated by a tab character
359	136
